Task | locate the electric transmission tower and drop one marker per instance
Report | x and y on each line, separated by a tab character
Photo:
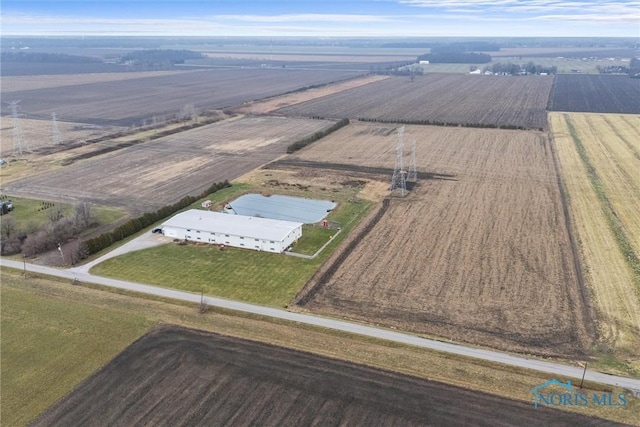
412	174
55	132
19	145
398	181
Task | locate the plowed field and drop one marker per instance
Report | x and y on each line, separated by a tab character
152	174
174	376
450	98
484	257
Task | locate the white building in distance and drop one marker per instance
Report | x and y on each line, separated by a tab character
261	234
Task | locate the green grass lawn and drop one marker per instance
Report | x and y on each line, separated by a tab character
313	237
241	274
50	345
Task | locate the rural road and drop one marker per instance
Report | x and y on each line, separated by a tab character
550	368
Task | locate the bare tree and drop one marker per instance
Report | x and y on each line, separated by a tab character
56	213
7	227
83	214
188	112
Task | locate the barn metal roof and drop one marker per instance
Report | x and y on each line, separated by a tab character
236	225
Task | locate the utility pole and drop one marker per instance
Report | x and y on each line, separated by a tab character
583	373
398	181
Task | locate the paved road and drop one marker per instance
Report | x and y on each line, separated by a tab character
553	369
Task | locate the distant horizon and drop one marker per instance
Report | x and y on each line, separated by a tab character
329	18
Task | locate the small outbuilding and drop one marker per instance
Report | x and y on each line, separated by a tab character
240	231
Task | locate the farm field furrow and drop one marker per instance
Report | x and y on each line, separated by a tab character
506	101
482	257
595	94
608	274
12	84
153	174
129	102
177	376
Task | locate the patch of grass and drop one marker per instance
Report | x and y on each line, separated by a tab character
242	274
257	277
313	237
50	345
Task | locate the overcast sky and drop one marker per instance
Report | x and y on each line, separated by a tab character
402	18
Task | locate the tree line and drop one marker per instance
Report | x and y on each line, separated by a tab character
103	241
455	58
44	57
298	145
520	69
159	57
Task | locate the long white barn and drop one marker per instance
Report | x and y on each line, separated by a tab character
247	232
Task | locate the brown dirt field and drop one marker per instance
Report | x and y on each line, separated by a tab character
445	98
12	84
269	105
177	376
483	258
137	100
150	175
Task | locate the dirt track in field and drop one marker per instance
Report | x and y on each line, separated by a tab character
175	376
483	258
147	176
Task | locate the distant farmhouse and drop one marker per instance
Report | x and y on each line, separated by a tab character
240	231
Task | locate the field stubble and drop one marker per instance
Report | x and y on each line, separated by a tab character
608	142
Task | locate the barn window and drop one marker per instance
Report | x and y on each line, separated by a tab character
271	241
257	247
241	238
241	244
257	240
272	249
226	235
198	231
